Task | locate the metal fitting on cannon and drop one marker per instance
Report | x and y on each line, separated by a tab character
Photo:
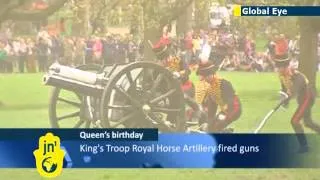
76	80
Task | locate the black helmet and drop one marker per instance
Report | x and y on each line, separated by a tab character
282	61
206	69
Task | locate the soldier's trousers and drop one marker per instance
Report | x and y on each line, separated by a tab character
304	111
233	113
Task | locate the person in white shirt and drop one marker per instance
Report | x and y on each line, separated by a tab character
31	62
16	47
15	52
8	49
205	50
23	49
43	34
9	61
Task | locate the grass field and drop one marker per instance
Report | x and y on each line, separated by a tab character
25	105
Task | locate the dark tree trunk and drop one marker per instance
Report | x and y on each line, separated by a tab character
184	21
152	34
181	24
308	49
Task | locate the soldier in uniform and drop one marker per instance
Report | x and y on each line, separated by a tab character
166	54
295	84
215	94
161	47
180	70
177	66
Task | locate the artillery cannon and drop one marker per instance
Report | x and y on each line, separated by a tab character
135	95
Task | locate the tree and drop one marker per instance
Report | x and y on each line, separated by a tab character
185	20
202	13
158	13
135	18
15	10
309	29
100	11
81	9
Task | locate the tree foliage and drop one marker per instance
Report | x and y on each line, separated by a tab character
15	10
157	13
202	13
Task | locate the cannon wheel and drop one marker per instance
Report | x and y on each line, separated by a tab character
78	102
152	99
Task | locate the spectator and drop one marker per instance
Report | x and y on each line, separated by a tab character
108	50
89	51
15	52
56	48
3	56
43	34
31	62
69	48
188	47
80	51
132	48
22	55
42	48
10	57
258	64
248	50
196	44
121	50
294	48
206	49
97	50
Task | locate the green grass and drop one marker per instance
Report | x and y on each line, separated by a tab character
168	174
25	101
261	44
25	105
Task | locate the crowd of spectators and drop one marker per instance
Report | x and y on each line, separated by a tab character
25	54
238	49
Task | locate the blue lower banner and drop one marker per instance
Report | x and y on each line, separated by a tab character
146	148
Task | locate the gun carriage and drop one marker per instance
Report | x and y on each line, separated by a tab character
135	95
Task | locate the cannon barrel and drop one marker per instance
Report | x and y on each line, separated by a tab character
78	81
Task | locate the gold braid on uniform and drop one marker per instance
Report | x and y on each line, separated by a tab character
201	89
174	64
215	91
287	82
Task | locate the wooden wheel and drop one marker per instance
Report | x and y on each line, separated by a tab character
68	109
143	95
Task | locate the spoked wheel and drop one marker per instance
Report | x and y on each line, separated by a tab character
68	109
143	95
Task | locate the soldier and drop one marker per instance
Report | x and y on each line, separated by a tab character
177	66
295	84
161	47
214	92
166	54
